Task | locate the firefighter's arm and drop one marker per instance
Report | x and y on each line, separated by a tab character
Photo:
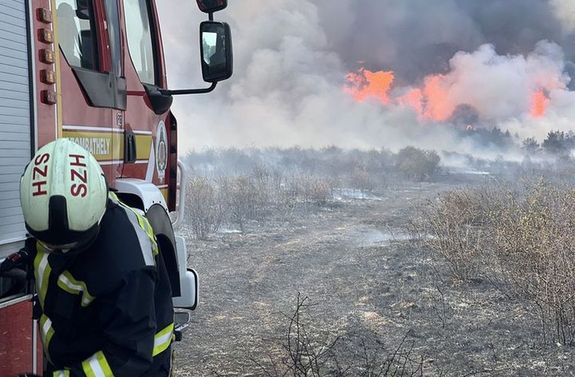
18	267
129	324
21	260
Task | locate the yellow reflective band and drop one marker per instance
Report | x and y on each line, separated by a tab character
47	332
163	339
112	196
97	366
42	271
68	283
145	225
141	222
61	373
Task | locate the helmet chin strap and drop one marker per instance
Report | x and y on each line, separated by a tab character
74	250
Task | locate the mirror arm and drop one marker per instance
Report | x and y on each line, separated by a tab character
189	91
211	17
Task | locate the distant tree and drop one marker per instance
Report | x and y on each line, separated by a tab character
490	137
530	146
559	143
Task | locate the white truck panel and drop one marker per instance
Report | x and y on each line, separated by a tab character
15	120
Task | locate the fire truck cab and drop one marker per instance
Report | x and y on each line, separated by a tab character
93	71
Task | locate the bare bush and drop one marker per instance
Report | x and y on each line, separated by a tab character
418	164
242	197
361	179
534	244
205	209
306	353
520	235
451	227
316	190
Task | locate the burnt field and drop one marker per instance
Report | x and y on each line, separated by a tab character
341	287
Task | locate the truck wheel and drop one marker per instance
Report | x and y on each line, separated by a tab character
162	225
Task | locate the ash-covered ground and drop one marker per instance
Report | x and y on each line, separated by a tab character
368	285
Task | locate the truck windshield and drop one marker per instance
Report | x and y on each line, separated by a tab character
139	32
76	32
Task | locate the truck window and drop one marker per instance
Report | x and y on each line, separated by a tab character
77	33
114	36
139	32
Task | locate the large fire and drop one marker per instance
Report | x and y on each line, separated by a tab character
365	84
433	100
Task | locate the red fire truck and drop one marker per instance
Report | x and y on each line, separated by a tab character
93	71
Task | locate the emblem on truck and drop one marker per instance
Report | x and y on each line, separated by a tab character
161	151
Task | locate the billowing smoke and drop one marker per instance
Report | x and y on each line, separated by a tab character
502	63
496	87
565	12
416	38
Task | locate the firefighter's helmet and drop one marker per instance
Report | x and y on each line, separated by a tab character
63	194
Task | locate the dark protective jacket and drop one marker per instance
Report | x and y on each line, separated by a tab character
107	311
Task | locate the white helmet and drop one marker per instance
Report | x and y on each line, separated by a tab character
63	194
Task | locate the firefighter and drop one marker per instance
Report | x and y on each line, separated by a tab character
103	290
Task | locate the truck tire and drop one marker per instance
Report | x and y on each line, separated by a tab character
162	225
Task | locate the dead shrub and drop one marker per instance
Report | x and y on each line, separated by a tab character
317	191
362	180
522	236
306	352
451	227
417	164
534	244
242	199
205	210
308	190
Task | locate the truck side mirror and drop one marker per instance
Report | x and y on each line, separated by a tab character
83	10
216	51
211	6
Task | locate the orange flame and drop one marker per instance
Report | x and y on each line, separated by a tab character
367	84
539	103
414	99
429	102
437	105
433	100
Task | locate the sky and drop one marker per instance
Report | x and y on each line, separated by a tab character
376	73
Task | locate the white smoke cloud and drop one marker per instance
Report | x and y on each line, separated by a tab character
565	12
499	87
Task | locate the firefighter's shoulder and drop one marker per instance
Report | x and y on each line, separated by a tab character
123	247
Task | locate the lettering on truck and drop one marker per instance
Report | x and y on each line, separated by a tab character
98	146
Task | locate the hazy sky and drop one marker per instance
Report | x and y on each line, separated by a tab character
292	58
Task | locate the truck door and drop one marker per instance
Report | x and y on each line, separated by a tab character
149	124
144	72
90	83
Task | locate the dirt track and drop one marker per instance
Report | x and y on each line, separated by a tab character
365	280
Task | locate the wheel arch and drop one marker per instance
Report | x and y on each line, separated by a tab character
148	198
162	225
